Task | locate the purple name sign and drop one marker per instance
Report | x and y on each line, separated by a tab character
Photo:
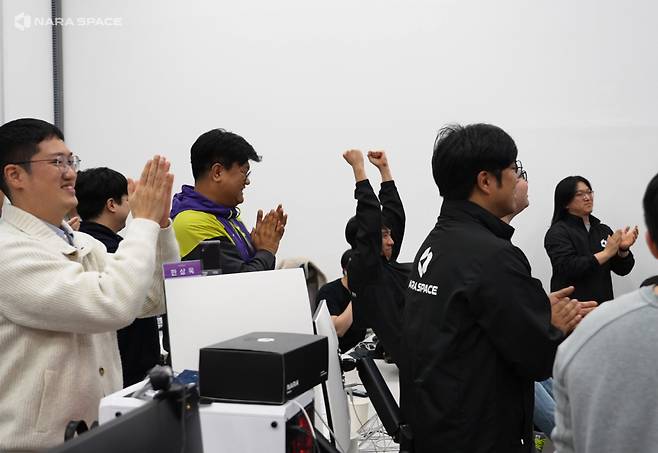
182	269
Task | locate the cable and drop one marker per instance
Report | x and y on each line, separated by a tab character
351	398
310	424
349	392
340	447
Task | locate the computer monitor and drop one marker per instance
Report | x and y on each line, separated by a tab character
335	406
207	310
167	425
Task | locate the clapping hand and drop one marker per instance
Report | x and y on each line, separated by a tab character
565	312
269	229
612	243
150	196
628	238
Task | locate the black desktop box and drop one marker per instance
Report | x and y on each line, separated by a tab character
263	367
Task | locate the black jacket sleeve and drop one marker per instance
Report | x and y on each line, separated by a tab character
622	266
393	214
515	312
564	257
365	265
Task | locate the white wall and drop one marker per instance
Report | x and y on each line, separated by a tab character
572	82
26	62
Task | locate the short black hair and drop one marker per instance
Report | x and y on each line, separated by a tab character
565	191
345	260
462	152
219	146
650	203
650	281
94	187
19	141
352	227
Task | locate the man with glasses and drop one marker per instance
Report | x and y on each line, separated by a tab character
62	296
477	327
605	372
544	410
583	251
209	210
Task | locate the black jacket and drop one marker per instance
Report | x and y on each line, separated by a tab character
477	334
571	249
139	343
378	285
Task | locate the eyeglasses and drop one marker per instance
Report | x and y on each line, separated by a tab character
518	169
582	193
60	162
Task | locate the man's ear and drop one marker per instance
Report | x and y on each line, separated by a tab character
216	171
14	177
484	182
111	205
653	247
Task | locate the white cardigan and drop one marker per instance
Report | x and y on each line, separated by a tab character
60	307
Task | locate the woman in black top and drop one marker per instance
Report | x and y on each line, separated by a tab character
583	250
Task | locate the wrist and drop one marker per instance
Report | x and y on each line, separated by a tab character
271	250
359	173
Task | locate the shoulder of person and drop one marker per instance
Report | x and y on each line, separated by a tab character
598	321
190	216
558	227
503	256
197	223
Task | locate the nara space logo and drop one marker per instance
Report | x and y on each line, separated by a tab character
424	261
22	21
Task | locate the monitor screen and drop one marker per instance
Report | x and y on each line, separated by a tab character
155	426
